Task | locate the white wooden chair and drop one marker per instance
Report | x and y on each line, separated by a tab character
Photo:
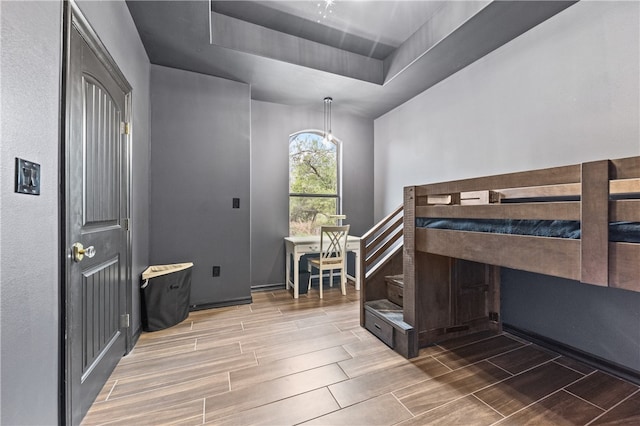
333	255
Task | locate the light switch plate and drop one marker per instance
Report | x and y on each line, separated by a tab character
27	177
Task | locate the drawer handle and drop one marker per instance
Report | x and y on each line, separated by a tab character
376	326
400	296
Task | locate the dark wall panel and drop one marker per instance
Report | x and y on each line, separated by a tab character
200	131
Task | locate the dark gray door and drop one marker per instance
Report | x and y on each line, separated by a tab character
96	217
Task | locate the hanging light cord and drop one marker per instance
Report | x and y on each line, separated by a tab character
327	118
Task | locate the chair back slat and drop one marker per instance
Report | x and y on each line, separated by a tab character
333	243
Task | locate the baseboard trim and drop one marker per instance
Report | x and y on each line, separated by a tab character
221	304
134	338
268	287
602	364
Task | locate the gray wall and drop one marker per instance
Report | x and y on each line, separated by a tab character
30	69
199	163
565	92
30	63
271	126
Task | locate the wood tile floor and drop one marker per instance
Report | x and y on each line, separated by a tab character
282	362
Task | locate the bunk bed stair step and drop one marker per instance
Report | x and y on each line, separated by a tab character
395	288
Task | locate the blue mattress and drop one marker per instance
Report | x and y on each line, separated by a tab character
618	231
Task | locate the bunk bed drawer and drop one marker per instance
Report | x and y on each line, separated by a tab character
379	327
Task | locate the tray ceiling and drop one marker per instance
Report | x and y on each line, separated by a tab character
370	56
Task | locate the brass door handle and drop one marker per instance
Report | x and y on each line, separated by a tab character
79	252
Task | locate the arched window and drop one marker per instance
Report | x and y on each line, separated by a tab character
314	182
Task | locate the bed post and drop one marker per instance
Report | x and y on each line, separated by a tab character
493	305
408	262
594	245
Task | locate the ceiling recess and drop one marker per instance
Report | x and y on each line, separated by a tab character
289	58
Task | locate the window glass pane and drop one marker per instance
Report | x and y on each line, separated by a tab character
308	214
313	165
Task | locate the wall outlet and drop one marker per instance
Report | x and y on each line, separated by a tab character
216	271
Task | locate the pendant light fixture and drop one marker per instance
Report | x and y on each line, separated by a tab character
328	136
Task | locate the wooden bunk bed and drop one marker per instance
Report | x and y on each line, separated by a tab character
580	222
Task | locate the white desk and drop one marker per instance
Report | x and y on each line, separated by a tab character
298	246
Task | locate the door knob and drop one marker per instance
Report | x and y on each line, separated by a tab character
79	252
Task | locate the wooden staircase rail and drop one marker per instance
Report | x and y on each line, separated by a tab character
379	251
375	242
382	222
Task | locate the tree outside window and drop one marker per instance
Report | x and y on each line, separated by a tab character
314	184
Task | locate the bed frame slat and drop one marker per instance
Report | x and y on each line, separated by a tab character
551	176
624	210
564	210
560	190
625	168
624	186
554	256
625	266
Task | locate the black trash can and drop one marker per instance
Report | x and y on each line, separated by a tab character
303	274
165	295
303	282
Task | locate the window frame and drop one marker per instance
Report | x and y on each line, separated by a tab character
338	195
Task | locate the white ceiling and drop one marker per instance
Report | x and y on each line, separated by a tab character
370	56
369	28
388	22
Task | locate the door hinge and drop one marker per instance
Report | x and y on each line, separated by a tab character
125	321
125	128
126	224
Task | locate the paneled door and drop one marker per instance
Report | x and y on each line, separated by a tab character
97	268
